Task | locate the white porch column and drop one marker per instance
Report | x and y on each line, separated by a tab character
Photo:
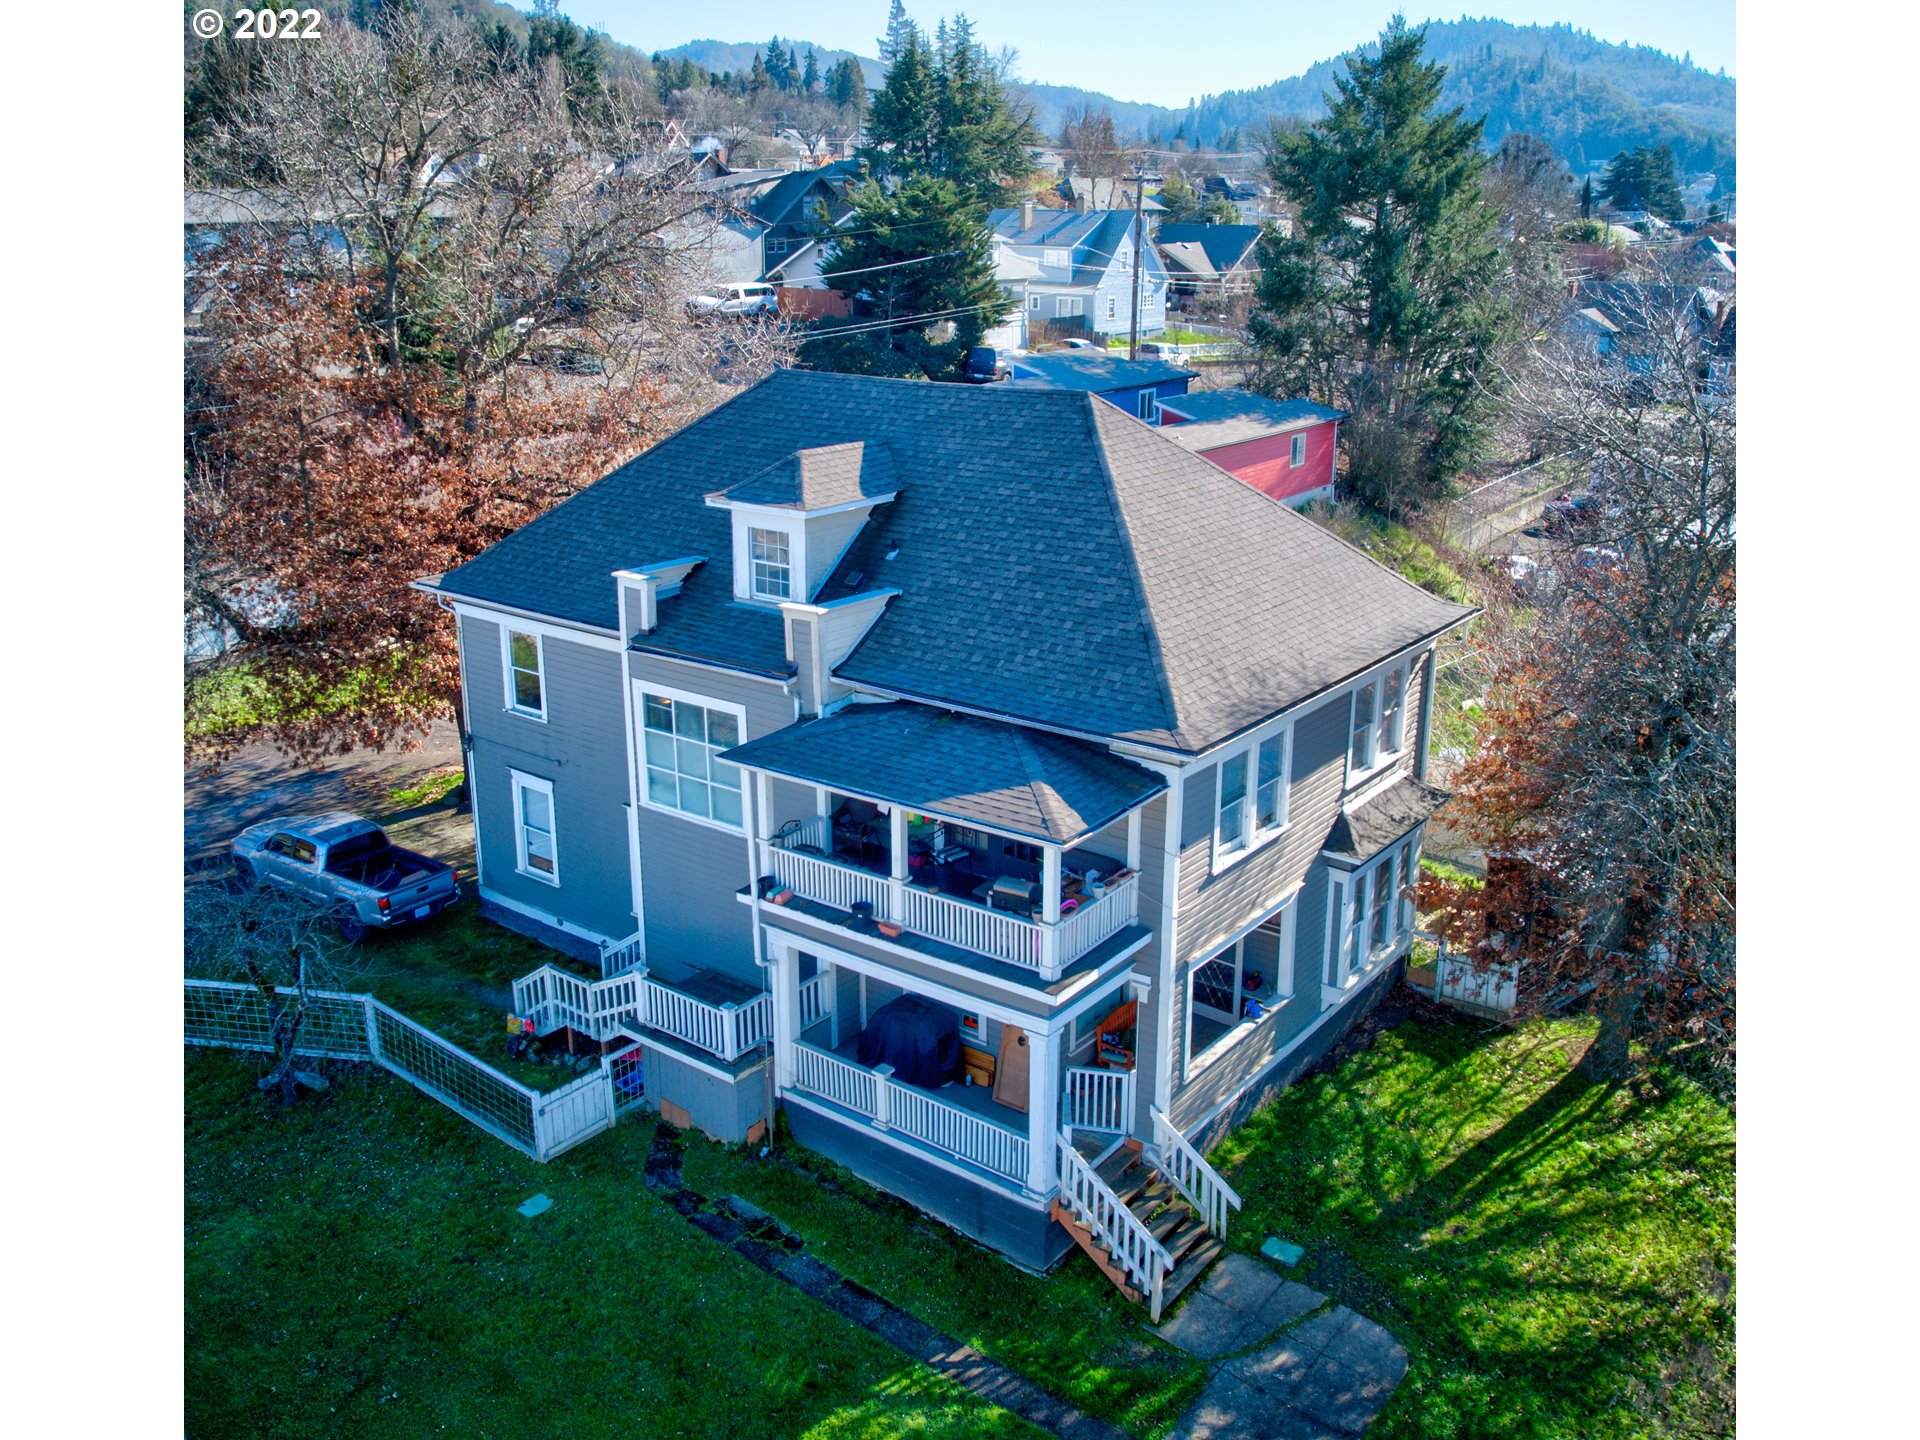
897	854
1133	840
1050	882
785	970
1043	1113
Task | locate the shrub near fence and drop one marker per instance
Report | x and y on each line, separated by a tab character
358	1027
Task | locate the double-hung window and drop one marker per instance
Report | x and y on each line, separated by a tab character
771	554
534	851
526	679
1252	799
683	739
1150	407
1379	723
1298	456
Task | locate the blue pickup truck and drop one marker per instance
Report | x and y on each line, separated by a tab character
342	861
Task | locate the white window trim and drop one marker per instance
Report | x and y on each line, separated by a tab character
642	689
1357	892
507	632
1253	835
1147	405
1297	452
1380	759
753	580
1192	1065
522	782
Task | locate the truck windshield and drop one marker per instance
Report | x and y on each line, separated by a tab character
356	847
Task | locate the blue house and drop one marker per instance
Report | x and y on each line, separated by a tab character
1135	386
1076	268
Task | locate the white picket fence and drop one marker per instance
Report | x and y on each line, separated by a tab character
1188	1170
358	1027
1093	1099
602	1009
1491	990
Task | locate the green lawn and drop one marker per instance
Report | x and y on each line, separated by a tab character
355	1267
1071	1334
1556	1255
1394	546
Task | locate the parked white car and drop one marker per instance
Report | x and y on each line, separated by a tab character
741	298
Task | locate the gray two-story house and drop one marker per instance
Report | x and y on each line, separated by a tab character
1075	269
970	773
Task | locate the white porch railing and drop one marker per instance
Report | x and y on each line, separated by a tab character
601	1009
622	955
890	1105
1094	1099
832	1078
816	999
999	934
1144	1259
1192	1176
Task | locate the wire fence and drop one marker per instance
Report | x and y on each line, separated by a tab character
358	1027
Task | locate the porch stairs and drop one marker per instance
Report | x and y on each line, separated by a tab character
1152	1217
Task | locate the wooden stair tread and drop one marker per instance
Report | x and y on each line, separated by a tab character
1191	1268
1096	1252
1116	1168
1186	1232
1152	1198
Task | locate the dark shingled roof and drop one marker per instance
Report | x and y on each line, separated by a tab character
1368	829
1223	245
1059	562
821	477
1227	417
1094	372
1004	777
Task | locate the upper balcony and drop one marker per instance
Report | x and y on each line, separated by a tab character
984	838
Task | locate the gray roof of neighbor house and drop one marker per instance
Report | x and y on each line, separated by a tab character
1367	829
773	204
1059	563
1100	231
1224	246
820	478
1093	371
1228	417
1005	777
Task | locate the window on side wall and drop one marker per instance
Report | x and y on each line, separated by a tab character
1149	406
1298	457
526	679
535	851
1379	723
1251	796
682	740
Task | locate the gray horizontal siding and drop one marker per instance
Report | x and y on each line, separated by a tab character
690	873
581	749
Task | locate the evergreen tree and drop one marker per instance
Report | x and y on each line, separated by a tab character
847	87
947	279
1642	179
1586	198
1384	299
945	112
578	54
905	120
757	78
810	77
898	28
1188	206
776	62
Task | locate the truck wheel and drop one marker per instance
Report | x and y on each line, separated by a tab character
352	931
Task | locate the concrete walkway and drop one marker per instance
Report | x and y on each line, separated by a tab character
1323	1379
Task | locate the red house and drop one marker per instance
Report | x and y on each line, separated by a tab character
1283	448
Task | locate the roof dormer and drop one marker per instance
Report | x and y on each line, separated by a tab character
794	520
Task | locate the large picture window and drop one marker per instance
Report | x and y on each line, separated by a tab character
526	680
535	852
682	740
1240	986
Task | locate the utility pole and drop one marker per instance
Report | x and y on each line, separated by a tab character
1139	254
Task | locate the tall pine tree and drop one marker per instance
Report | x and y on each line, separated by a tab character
1384	299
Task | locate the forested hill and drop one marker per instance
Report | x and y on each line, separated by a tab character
1588	98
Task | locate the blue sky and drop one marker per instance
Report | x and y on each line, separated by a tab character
1139	49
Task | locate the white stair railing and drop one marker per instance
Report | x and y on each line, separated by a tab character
1093	1099
1191	1175
621	956
1144	1259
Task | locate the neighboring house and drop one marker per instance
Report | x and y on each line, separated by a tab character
1282	448
1210	259
1618	317
875	729
797	209
1253	200
1075	268
1138	387
1713	262
1084	192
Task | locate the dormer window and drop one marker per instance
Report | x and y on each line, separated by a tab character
771	555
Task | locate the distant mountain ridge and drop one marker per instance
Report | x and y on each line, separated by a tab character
1588	98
